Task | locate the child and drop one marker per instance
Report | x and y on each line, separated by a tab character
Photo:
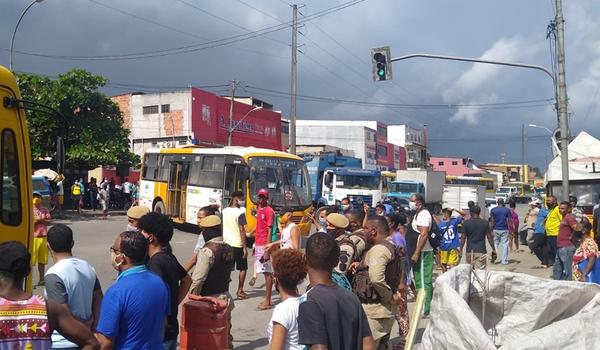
449	254
289	270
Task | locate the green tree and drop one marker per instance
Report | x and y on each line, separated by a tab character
94	135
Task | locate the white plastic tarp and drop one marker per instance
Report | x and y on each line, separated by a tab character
583	151
522	312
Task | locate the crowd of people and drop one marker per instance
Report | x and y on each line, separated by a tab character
362	265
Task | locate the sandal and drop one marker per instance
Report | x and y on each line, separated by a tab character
252	282
263	307
242	296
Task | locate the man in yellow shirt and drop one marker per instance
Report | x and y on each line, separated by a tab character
552	224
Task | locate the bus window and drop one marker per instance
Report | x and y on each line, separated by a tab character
164	165
150	167
212	172
11	209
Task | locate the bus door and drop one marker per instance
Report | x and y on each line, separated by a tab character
234	177
177	187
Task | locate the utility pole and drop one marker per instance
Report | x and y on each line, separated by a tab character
563	121
523	177
294	82
230	124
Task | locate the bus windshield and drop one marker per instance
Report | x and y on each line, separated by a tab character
503	190
403	187
285	179
357	182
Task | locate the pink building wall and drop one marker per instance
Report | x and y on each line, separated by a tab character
453	166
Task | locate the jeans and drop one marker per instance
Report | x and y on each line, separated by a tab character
170	344
563	262
553	249
501	243
423	271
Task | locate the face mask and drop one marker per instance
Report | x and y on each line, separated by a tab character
37	201
242	203
551	205
323	222
131	228
344	207
113	260
412	206
578	235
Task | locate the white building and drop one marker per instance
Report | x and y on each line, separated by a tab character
349	135
413	140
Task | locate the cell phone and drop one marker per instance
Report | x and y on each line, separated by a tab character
263	260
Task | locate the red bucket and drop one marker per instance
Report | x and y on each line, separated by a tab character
202	327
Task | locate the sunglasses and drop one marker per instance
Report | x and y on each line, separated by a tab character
116	251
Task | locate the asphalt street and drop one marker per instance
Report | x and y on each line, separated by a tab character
94	236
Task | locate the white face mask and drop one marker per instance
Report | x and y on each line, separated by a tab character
131	228
113	262
412	205
242	203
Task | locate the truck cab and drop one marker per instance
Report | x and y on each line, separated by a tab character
404	189
360	186
506	192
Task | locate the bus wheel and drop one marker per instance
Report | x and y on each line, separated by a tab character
159	207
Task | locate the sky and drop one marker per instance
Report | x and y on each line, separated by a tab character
471	110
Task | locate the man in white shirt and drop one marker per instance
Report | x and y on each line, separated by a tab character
423	257
234	234
71	281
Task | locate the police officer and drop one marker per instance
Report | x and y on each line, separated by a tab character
377	279
211	276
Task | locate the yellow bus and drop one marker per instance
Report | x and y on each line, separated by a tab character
490	183
16	211
179	181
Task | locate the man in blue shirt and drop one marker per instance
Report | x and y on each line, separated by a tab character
539	244
132	316
449	253
499	217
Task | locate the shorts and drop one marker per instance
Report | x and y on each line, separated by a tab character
60	199
241	263
40	251
449	257
265	267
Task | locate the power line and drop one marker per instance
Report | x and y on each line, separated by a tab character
198	47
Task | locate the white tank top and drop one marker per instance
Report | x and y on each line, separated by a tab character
286	236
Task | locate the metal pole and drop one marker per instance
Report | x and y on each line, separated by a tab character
230	124
563	121
523	176
12	40
294	83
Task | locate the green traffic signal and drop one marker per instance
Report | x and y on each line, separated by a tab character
381	73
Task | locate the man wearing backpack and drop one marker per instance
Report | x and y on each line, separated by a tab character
423	256
378	278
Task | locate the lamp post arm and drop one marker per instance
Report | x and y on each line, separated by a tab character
468	59
242	119
12	39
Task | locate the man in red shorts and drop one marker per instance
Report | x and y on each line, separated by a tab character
264	223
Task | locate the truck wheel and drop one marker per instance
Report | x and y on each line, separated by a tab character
159	207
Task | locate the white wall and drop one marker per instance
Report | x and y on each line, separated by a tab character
350	137
151	125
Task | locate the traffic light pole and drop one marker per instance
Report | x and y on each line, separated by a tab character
560	90
294	82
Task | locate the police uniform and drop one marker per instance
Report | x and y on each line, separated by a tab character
380	313
212	274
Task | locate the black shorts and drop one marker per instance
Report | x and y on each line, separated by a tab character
241	263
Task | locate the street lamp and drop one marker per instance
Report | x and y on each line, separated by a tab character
555	148
12	40
232	128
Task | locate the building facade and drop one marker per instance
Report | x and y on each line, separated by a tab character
367	140
413	140
510	172
454	166
194	116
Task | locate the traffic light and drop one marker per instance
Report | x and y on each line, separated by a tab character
382	63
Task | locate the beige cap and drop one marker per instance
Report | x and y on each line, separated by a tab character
138	211
337	220
210	221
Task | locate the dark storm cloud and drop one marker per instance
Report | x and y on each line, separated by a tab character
503	30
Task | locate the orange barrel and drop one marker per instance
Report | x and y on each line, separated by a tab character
202	327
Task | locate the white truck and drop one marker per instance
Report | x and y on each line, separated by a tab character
457	196
427	183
